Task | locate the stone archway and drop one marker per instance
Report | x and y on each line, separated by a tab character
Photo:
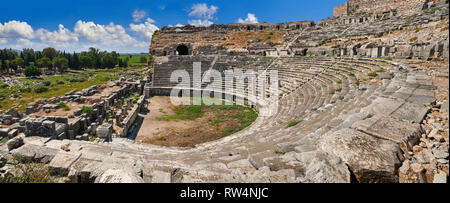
182	50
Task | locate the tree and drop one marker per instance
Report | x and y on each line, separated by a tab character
31	71
44	62
60	63
143	59
17	62
74	62
85	62
28	56
49	53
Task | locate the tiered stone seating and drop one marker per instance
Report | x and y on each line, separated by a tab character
359	130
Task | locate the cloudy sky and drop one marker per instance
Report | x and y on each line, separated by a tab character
127	26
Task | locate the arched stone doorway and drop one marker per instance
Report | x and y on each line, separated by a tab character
182	50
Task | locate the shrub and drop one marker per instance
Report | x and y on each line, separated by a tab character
293	123
60	82
46	83
27	172
40	89
413	39
31	71
87	110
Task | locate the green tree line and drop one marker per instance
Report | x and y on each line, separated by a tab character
53	60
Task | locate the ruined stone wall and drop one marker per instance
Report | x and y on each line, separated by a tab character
400	7
341	10
214	39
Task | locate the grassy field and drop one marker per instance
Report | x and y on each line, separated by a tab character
202	124
18	96
134	58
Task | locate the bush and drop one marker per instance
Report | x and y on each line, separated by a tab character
31	71
413	39
87	110
46	83
26	172
60	82
40	89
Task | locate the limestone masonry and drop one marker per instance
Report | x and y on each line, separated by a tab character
370	86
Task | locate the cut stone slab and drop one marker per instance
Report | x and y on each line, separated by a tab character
60	165
383	106
161	177
257	159
422	96
404	133
36	153
411	112
14	143
327	168
371	159
120	176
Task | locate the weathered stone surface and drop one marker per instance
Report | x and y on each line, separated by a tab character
407	134
440	177
36	153
119	176
327	168
371	159
14	143
161	177
60	164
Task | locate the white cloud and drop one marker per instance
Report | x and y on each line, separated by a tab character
251	19
138	15
104	34
145	30
200	23
203	11
85	34
16	29
62	37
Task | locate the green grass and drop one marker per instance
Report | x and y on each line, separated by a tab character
4	140
134	58
64	106
293	123
32	90
387	58
279	152
372	74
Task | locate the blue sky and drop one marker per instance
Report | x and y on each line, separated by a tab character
127	26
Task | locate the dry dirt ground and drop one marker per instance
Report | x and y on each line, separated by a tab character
213	125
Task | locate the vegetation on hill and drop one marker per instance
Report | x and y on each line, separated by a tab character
52	60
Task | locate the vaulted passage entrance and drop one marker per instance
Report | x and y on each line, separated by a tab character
182	50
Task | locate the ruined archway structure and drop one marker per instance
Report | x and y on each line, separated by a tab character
182	50
359	114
